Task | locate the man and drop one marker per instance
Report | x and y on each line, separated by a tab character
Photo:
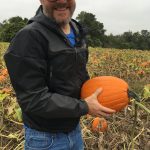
46	61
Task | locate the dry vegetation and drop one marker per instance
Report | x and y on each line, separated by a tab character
131	65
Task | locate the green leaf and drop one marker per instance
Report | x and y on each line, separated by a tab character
18	114
146	93
3	96
143	107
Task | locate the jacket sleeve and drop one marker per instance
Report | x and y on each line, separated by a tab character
27	67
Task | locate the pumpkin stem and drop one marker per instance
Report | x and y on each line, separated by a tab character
132	94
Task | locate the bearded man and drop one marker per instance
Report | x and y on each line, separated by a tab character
46	61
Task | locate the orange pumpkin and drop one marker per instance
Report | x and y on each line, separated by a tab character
114	91
99	125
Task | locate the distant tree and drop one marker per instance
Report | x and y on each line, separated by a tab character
9	28
94	28
129	40
0	29
135	40
145	39
127	36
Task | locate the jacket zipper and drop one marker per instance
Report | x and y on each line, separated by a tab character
68	42
76	65
50	77
51	74
75	55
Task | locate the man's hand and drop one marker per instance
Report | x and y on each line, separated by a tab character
95	108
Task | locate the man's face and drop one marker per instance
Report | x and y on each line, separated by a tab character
59	10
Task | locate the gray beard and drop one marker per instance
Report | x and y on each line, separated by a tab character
60	23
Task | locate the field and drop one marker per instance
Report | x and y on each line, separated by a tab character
128	129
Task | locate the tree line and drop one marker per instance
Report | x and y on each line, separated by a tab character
94	30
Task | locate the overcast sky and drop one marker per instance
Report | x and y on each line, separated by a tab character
117	16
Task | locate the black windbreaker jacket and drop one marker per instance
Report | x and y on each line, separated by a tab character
47	73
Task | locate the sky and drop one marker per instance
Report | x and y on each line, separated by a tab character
118	16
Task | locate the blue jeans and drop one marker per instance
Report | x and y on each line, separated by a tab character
37	140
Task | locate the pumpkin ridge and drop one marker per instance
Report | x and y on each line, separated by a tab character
122	92
114	101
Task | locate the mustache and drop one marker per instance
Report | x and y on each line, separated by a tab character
60	5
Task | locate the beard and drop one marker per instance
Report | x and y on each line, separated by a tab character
62	21
61	13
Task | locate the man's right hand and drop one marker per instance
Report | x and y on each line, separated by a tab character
95	108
